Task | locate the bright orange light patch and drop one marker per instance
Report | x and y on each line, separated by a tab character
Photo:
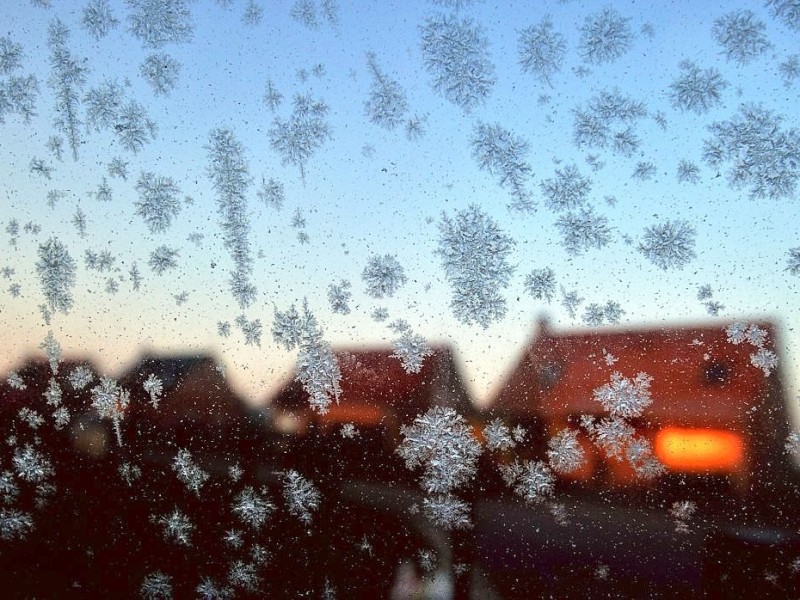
699	450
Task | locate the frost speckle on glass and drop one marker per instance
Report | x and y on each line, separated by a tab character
474	253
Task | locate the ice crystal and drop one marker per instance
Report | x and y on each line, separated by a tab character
192	476
271	193
447	511
383	276
503	154
669	245
31	465
301	496
625	397
498	436
156	586
154	388
56	270
567	190
177	527
161	71
583	230
541	284
541	50
533	481
15	381
441	442
159	22
251	330
787	11
741	35
339	296
474	253
10	55
412	350
14	524
110	401
162	259
98	19
455	53
763	155
299	137
80	377
605	36
68	76
688	172
252	508
387	104
230	176
696	89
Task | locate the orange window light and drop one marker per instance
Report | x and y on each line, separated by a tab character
699	450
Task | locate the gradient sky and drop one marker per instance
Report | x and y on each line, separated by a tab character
390	201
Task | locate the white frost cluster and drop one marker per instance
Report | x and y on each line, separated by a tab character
441	442
301	496
188	472
625	397
533	481
317	368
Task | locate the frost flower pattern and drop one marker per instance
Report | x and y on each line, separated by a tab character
474	253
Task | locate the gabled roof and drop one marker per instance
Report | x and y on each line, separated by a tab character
697	374
193	389
374	384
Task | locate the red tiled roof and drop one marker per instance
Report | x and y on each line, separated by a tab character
697	374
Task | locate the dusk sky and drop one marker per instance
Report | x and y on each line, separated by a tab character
368	190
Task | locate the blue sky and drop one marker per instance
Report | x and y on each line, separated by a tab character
388	200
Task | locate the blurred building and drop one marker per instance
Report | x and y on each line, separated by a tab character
714	413
377	397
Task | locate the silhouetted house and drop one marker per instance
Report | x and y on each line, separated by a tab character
377	397
196	409
714	413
